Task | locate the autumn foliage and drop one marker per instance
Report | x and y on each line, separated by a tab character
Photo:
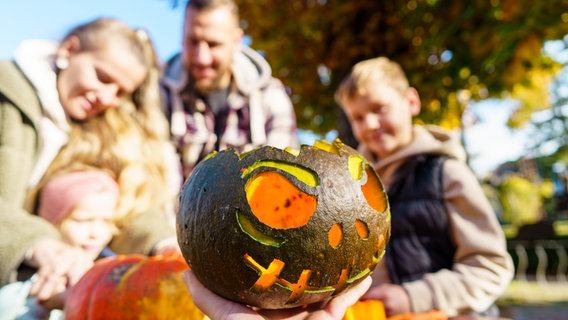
453	51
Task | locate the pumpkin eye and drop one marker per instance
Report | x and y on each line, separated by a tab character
377	200
278	203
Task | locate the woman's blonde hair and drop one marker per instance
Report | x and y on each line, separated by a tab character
131	140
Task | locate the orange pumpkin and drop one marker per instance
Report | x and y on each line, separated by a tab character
368	309
133	287
428	315
375	310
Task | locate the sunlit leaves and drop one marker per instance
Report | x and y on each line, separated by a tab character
488	48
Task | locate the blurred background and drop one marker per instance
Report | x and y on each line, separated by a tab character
493	71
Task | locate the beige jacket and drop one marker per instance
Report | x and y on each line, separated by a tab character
482	267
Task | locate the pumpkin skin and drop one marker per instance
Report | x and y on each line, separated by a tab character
279	228
133	287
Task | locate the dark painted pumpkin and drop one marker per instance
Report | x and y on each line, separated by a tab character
282	228
133	287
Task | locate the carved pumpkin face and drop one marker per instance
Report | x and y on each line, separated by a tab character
278	229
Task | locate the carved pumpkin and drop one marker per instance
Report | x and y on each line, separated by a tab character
133	287
283	228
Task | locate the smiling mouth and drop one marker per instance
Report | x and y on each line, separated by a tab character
271	275
88	103
202	73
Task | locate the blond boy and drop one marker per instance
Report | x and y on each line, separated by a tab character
447	250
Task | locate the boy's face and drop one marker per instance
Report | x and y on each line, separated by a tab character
381	117
90	224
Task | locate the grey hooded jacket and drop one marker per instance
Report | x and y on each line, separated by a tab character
260	111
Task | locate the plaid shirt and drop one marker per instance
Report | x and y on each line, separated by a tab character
259	111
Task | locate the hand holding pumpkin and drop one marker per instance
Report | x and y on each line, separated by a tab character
394	298
166	246
219	308
58	295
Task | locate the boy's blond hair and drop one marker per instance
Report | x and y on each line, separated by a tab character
377	70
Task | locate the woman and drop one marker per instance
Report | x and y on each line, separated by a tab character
48	88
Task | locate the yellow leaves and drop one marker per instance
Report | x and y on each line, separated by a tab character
533	95
465	73
434	105
525	57
521	200
547	189
495	47
529	76
509	9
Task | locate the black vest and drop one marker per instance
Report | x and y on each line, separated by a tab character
420	241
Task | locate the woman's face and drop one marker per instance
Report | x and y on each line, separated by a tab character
95	80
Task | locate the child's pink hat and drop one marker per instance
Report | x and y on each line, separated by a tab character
62	193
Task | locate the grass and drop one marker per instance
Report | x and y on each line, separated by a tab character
534	293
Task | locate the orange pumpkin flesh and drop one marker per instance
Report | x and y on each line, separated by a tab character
283	228
292	209
133	287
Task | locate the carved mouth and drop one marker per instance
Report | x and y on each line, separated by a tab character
271	275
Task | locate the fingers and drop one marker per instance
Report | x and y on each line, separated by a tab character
59	267
375	293
218	308
214	306
337	306
78	266
167	246
46	286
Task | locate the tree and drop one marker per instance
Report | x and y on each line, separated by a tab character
551	126
453	51
521	200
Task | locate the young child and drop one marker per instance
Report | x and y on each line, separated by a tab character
82	205
447	250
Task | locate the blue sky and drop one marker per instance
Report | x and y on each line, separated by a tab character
51	19
489	141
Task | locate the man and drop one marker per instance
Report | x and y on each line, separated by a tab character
219	93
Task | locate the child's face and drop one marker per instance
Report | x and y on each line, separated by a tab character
90	225
381	117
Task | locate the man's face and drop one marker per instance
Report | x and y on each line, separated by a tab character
210	38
